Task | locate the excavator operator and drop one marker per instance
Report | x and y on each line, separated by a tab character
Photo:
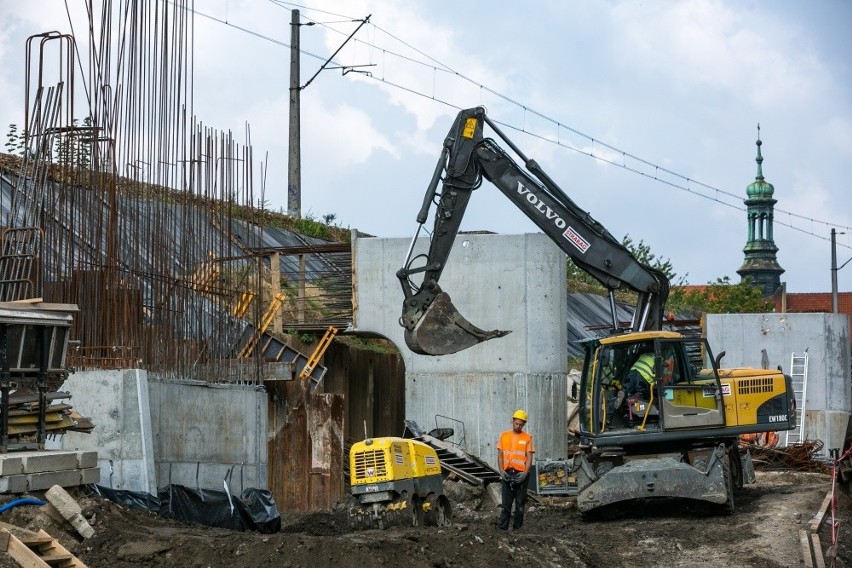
639	379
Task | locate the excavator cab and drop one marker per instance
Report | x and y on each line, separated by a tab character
681	394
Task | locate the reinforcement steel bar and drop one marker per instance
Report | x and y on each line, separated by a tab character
142	215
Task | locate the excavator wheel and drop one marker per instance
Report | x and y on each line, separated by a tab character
736	467
438	511
729	483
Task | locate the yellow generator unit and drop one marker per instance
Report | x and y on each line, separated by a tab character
396	481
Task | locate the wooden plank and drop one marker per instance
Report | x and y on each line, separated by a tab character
816	523
35	539
22	554
33	418
4	540
51	408
58	550
805	543
816	546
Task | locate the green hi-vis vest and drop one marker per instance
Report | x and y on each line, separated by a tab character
644	365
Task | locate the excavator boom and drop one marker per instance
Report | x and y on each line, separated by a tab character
433	326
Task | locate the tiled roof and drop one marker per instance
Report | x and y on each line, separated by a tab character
816	302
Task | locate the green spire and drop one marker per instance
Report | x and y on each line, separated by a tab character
759	158
760	265
759	188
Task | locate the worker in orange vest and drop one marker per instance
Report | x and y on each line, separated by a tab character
514	458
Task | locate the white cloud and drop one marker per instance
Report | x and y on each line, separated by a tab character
349	135
721	46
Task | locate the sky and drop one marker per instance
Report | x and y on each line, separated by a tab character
644	112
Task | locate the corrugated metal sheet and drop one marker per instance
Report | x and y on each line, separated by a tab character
166	304
306	448
589	316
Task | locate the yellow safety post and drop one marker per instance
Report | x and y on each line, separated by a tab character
318	352
242	305
274	305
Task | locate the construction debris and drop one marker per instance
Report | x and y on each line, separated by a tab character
70	510
60	416
35	549
797	457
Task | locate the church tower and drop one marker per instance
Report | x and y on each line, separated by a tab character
760	265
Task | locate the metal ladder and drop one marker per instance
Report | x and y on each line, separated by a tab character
454	460
799	376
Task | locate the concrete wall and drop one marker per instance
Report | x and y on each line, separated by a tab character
150	432
828	392
511	282
202	431
117	403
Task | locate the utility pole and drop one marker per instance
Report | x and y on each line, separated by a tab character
833	271
294	169
294	162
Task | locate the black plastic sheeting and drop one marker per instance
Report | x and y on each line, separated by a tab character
253	510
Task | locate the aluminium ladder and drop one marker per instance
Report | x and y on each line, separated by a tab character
799	376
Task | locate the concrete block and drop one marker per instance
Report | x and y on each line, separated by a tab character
69	509
13	484
46	480
87	459
11	465
38	462
90	475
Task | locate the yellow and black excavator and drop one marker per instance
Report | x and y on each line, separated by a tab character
396	481
678	439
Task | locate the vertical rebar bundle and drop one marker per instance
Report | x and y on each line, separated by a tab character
136	202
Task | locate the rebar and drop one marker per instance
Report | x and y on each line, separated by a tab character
144	217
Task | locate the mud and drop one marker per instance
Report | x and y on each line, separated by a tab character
763	532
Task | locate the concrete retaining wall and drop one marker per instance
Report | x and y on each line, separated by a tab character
202	431
117	403
150	432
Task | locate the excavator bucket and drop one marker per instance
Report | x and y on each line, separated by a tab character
443	330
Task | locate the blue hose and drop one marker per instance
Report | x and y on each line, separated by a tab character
16	502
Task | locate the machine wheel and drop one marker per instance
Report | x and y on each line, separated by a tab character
729	484
413	510
736	467
438	511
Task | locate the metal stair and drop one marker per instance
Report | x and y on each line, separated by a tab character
799	376
454	460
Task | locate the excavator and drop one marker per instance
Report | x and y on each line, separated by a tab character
679	439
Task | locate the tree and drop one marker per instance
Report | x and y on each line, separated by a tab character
14	141
71	148
580	281
722	297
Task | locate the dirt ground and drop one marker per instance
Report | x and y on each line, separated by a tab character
763	532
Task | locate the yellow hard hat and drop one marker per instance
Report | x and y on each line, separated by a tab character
520	414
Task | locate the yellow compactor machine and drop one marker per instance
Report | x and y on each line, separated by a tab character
396	481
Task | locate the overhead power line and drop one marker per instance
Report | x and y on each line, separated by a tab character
629	161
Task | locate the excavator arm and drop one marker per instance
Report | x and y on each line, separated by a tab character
433	326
